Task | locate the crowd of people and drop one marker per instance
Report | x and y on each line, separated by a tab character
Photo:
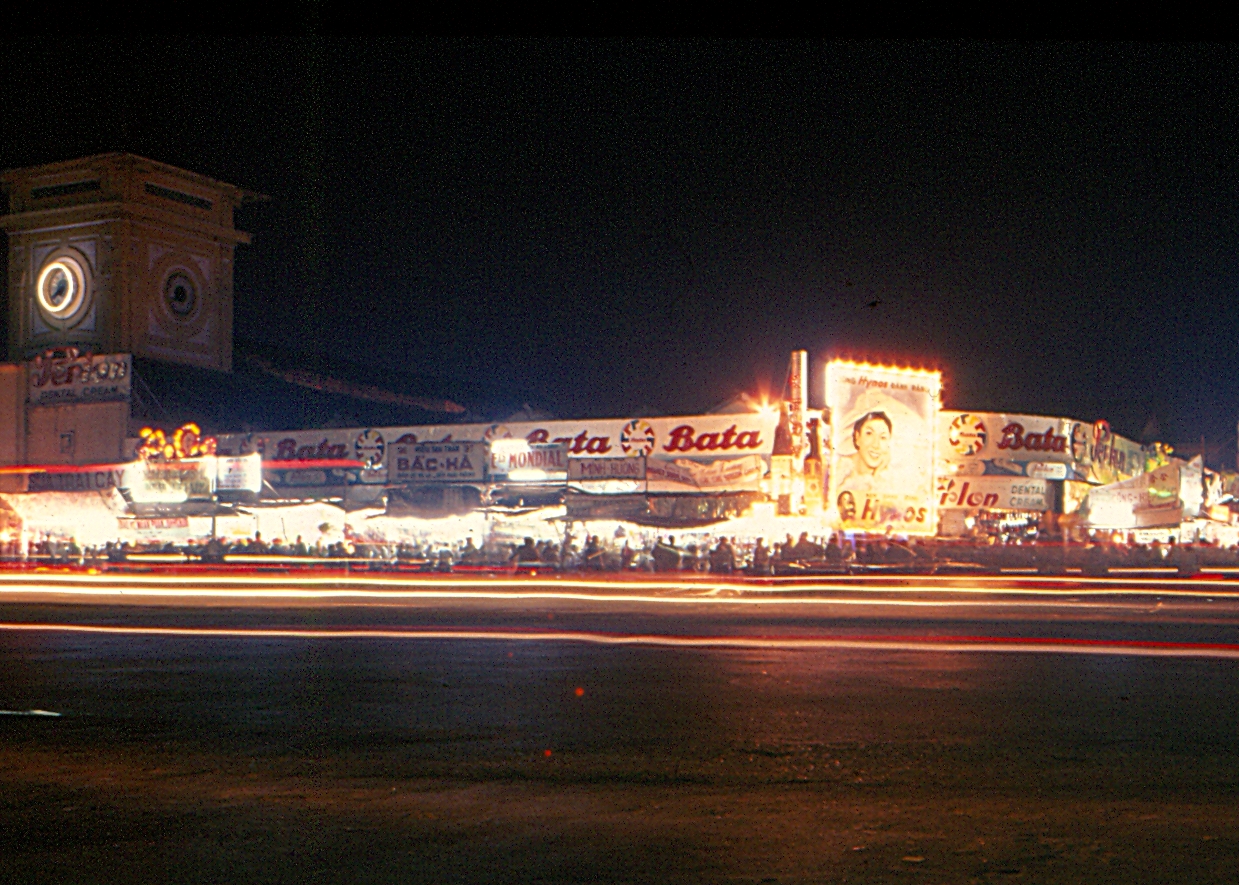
835	553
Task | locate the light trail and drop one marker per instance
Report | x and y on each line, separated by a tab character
969	644
715	598
320	586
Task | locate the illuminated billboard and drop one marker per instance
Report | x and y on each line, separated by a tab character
883	423
1034	446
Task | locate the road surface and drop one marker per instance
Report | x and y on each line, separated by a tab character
206	727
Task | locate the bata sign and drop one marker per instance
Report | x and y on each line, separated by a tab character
390	454
965	436
693	436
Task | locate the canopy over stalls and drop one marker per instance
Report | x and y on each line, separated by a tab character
1165	496
90	518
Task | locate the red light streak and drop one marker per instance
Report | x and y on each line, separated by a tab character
1019	644
190	584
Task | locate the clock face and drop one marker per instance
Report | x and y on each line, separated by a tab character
61	289
180	295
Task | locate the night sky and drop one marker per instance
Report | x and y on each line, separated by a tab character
619	227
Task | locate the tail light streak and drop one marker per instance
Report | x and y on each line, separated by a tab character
991	644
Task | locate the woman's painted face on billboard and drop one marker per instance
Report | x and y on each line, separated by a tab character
873	442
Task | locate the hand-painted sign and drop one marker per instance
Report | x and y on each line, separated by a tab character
79	378
437	462
586	469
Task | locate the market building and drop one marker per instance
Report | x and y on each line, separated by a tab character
116	261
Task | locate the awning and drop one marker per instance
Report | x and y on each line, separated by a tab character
90	518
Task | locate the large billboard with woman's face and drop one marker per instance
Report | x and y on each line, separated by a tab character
883	423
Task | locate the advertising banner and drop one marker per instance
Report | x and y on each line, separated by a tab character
705	438
411	461
172	528
1164	496
1112	458
1001	444
514	460
74	379
587	469
367	446
882	468
727	474
994	493
692	436
170	482
1036	446
797	399
109	477
240	473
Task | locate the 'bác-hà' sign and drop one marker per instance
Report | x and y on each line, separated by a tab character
437	461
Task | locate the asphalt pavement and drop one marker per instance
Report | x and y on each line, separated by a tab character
206	729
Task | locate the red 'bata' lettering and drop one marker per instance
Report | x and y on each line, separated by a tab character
1014	437
288	450
580	444
685	439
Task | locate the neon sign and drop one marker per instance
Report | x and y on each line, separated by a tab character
186	441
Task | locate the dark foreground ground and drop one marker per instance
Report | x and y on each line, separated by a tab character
486	761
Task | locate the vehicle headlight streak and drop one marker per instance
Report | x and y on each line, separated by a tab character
1025	645
372	590
863	590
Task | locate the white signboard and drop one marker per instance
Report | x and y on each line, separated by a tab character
723	475
994	493
411	461
317	453
170	482
587	469
883	428
239	473
1000	444
1045	470
1009	442
692	436
514	460
1165	496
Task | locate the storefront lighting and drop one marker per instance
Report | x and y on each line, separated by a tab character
506	447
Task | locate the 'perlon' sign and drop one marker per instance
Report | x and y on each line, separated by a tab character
74	379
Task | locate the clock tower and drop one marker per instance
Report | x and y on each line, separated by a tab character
116	253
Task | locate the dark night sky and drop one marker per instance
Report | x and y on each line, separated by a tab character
613	225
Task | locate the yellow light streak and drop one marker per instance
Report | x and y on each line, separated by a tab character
979	645
857	590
